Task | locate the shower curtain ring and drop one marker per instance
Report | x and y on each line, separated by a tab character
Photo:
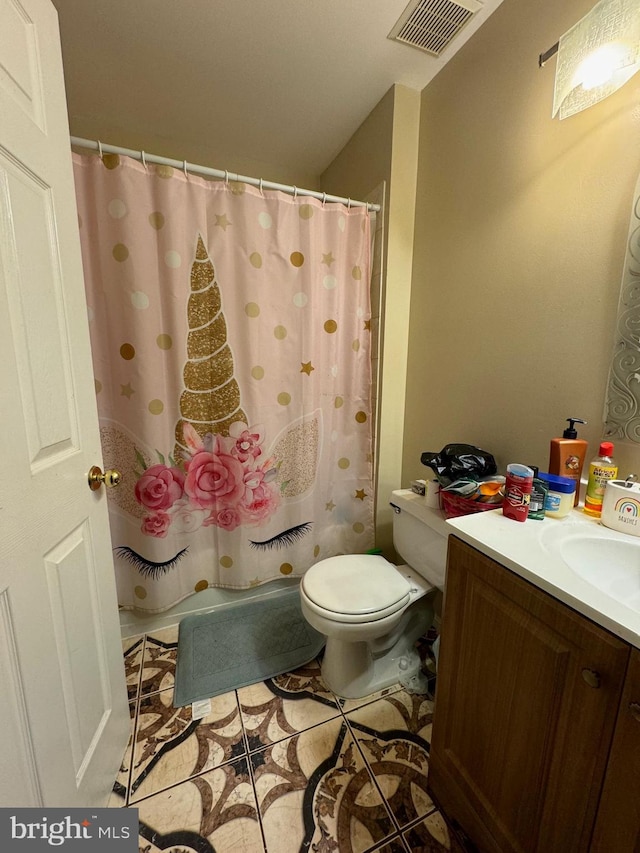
143	158
348	204
226	176
295	192
261	193
184	168
324	199
100	149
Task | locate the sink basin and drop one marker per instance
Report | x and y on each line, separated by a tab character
610	565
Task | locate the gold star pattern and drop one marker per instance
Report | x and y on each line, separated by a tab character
126	391
222	221
327	258
360	494
330	506
306	368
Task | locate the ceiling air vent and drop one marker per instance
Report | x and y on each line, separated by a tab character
431	25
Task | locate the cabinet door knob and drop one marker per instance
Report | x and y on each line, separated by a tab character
591	677
634	708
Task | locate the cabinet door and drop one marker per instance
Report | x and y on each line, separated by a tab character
618	824
525	707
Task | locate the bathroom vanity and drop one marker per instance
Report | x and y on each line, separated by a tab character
536	736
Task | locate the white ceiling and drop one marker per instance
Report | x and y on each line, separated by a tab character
278	81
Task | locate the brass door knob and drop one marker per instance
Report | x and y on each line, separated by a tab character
591	677
96	478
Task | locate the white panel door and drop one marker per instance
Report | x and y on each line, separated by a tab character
64	719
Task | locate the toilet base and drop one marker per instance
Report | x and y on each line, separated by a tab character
353	670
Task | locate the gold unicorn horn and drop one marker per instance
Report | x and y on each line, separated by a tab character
211	399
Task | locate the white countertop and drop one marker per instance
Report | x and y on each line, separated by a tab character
530	550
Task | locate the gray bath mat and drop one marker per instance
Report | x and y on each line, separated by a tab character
242	644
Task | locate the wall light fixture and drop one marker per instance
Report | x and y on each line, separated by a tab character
596	56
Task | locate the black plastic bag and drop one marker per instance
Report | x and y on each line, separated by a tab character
459	460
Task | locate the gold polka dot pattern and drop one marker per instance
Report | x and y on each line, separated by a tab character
110	161
156	220
120	252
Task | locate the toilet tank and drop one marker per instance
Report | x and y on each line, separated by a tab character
420	535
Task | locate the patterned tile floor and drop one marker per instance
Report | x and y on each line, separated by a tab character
283	765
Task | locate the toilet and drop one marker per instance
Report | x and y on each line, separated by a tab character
372	611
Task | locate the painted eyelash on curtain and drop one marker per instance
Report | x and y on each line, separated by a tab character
287	537
146	567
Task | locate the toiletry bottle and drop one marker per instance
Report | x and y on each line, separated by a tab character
517	492
567	455
538	496
601	469
559	500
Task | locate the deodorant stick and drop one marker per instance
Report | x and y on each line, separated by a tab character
517	492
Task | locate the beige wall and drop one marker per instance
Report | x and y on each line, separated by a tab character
521	225
385	148
203	152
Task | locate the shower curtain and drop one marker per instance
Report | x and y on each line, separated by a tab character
230	330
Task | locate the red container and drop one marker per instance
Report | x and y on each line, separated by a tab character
454	506
517	492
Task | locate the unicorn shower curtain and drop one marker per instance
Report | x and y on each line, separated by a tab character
231	344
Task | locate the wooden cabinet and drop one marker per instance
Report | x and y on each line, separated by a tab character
618	821
527	699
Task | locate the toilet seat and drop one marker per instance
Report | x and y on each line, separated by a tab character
355	588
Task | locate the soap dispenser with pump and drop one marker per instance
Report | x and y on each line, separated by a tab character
567	455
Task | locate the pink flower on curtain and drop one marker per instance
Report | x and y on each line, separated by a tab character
213	479
223	483
259	500
227	518
156	524
159	487
247	445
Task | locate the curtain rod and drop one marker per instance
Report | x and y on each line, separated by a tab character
225	175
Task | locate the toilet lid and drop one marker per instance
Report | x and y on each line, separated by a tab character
356	585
